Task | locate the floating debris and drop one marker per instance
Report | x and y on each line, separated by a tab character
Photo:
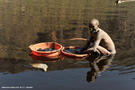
40	66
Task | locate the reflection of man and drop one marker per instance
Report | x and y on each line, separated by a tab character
98	65
98	36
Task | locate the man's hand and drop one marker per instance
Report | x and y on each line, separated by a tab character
88	50
91	50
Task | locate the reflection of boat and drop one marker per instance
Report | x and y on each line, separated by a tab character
44	59
73	55
49	54
75	58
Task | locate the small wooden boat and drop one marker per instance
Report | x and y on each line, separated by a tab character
72	55
54	53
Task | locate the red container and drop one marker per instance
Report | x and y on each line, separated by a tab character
48	54
43	59
71	54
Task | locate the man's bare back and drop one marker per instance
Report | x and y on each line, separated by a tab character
107	41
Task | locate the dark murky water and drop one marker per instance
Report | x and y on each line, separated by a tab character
24	22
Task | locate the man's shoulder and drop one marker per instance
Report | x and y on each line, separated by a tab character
102	31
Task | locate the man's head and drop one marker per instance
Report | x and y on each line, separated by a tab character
93	25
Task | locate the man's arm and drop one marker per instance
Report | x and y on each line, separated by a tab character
85	46
96	43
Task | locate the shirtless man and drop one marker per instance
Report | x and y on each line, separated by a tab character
98	36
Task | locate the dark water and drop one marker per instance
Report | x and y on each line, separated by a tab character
24	22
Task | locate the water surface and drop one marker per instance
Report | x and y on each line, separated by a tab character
25	22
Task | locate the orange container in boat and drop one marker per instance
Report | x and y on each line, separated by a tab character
72	54
48	54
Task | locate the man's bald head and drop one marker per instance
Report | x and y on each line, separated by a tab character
94	22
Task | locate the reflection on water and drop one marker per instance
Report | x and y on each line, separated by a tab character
98	65
13	66
25	22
